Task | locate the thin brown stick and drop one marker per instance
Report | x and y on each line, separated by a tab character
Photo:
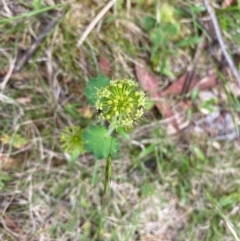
9	73
36	43
94	22
191	68
10	222
221	41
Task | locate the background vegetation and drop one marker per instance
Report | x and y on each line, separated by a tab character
177	174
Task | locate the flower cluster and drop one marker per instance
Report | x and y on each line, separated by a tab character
72	140
120	103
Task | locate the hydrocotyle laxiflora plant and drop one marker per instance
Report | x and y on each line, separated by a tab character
121	104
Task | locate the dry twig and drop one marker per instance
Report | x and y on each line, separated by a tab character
9	73
94	22
221	41
191	69
10	222
36	43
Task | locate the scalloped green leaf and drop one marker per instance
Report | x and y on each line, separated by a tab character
93	85
99	142
149	23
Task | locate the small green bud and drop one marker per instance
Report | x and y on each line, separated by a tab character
72	140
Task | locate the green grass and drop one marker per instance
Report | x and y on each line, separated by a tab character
163	187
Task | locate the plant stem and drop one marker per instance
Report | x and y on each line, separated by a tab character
110	130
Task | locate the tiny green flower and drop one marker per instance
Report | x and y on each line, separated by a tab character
121	103
72	140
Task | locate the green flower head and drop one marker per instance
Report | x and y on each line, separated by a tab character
72	140
120	103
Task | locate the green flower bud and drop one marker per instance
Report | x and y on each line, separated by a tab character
167	13
72	140
121	103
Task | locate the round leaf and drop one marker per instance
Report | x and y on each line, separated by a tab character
99	142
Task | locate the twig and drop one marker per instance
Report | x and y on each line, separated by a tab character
94	22
221	41
36	43
10	222
198	22
191	68
9	73
6	8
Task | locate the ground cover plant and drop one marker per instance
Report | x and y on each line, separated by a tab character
119	120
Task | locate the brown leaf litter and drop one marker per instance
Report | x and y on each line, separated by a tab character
7	163
104	65
218	125
150	84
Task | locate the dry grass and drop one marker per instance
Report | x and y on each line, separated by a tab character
161	189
